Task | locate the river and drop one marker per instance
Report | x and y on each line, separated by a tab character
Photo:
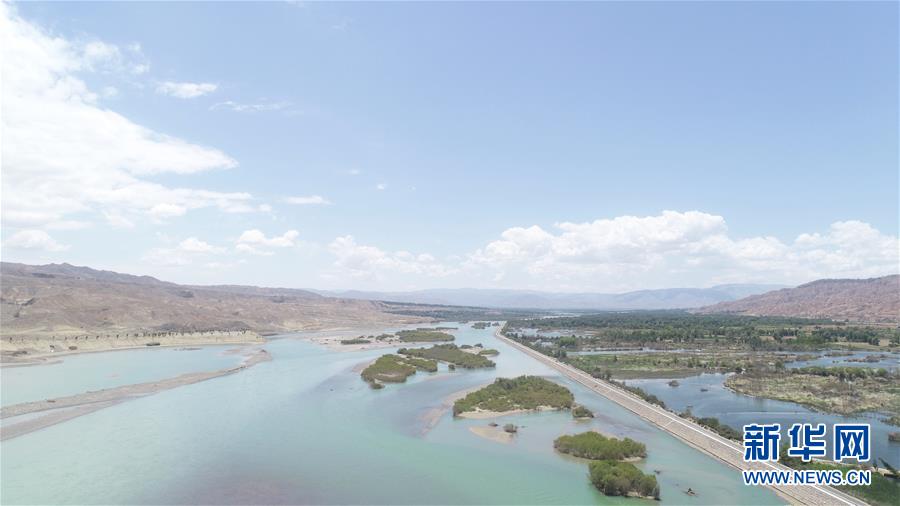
304	428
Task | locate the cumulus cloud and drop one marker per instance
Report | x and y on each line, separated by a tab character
184	253
185	90
682	249
381	186
255	242
360	261
34	240
64	154
308	201
630	252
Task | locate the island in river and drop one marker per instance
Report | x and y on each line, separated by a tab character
505	396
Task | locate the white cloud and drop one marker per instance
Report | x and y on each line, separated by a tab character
680	249
255	242
34	239
185	90
67	225
99	56
166	210
185	253
254	107
117	220
64	154
624	253
381	186
306	201
354	172
360	261
194	245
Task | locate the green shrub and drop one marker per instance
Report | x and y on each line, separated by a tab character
596	446
582	412
448	353
622	478
423	336
388	368
524	392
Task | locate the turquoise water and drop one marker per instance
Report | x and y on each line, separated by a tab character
96	371
738	410
305	429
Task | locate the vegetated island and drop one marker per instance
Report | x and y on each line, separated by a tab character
420	335
610	470
392	368
843	390
449	353
505	396
622	478
595	446
582	412
423	335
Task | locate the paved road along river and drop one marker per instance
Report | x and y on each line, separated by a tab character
691	433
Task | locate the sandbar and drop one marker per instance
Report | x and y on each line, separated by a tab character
61	409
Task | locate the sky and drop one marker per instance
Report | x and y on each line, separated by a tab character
599	147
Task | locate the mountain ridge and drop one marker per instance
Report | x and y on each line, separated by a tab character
869	299
665	298
62	299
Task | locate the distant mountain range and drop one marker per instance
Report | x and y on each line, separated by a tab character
868	300
62	299
669	298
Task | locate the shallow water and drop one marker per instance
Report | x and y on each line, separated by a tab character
889	361
95	371
737	410
304	428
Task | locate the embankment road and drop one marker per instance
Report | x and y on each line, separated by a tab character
691	433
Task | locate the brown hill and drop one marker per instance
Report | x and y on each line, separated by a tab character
867	300
62	299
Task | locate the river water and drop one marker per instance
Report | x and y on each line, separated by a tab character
738	410
304	428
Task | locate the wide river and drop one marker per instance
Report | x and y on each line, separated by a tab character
304	428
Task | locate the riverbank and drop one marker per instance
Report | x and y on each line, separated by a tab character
26	351
826	393
66	408
690	433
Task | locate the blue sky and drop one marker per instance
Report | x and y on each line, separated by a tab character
595	147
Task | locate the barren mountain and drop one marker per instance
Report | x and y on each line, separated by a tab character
61	299
871	300
669	298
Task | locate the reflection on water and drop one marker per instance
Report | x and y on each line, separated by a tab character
305	429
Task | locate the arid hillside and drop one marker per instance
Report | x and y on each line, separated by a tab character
61	299
866	300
